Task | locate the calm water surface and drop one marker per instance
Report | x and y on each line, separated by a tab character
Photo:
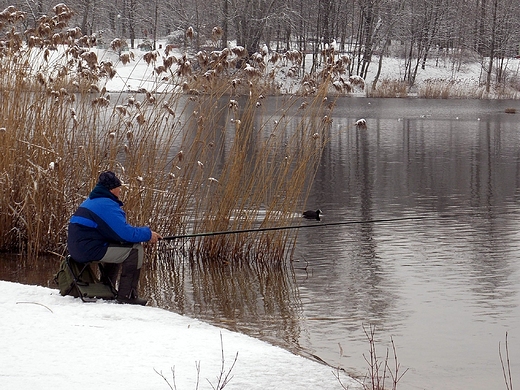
445	288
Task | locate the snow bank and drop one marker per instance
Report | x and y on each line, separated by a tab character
50	341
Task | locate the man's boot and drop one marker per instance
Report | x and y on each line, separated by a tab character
129	280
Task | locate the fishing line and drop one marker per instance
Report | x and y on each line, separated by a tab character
254	230
315	225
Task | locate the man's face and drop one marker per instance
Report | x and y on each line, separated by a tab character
116	191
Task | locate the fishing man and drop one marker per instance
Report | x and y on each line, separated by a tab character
99	231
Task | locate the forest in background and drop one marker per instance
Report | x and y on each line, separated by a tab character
419	31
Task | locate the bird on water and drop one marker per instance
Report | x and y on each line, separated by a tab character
312	214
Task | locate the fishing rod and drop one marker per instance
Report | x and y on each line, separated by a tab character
289	227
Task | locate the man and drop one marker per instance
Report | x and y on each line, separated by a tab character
98	231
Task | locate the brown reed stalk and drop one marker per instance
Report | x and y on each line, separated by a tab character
266	174
192	162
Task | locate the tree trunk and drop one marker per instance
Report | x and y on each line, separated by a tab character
131	22
380	63
225	18
492	45
84	18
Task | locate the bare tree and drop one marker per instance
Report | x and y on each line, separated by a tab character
422	29
391	12
250	18
500	38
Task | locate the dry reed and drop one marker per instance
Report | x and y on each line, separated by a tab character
449	89
389	88
194	157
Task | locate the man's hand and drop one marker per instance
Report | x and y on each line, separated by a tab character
155	237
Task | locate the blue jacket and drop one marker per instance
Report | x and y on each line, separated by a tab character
98	222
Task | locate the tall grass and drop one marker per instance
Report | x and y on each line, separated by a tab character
389	88
195	157
450	89
440	89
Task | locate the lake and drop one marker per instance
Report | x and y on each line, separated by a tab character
438	273
446	288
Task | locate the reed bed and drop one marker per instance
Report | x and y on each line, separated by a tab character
389	88
450	89
193	153
440	89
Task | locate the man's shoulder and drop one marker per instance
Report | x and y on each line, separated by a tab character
101	204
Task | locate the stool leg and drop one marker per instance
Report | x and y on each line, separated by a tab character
109	273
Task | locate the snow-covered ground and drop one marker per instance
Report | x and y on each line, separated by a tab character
54	342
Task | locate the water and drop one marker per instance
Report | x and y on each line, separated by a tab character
445	287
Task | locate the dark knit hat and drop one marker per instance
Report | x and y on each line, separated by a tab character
109	180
